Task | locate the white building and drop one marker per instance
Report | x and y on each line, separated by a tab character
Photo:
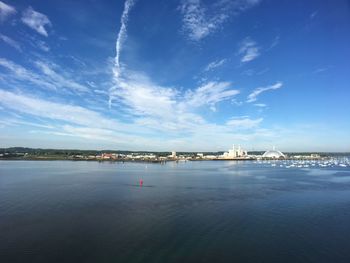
235	153
274	154
172	155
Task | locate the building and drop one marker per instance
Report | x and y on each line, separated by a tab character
235	153
200	155
273	154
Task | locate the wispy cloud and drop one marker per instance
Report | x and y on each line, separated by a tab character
197	22
138	93
58	79
244	122
275	42
17	121
261	105
215	64
42	45
36	21
253	96
52	76
9	41
19	73
210	94
323	69
200	20
248	50
56	111
6	11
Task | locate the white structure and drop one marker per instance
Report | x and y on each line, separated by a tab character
235	153
173	154
274	154
200	155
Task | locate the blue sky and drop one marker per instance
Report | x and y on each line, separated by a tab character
184	75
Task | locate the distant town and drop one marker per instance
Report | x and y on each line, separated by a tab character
235	153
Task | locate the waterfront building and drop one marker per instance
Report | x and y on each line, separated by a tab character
200	155
235	153
273	154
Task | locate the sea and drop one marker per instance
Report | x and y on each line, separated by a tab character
194	211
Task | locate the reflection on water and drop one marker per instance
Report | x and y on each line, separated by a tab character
187	212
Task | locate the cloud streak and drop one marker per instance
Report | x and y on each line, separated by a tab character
210	94
19	73
254	95
9	41
59	80
215	64
6	11
248	50
56	111
36	21
199	20
51	77
244	122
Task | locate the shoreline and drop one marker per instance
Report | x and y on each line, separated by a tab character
161	161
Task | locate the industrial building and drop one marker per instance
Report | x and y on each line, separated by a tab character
235	153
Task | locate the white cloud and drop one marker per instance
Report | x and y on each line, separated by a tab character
185	131
19	73
9	41
56	111
215	64
157	107
6	11
12	121
59	80
199	20
249	50
138	95
261	105
253	96
36	21
50	79
197	23
244	122
137	92
210	94
168	110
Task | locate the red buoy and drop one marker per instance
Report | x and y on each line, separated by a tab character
141	182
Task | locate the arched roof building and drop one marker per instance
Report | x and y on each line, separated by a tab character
274	154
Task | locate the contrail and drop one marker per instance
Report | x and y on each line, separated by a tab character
122	34
119	45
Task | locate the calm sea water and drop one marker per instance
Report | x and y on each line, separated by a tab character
62	211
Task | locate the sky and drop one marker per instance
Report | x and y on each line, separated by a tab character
183	75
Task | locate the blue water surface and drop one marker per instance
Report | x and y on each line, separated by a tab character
202	211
